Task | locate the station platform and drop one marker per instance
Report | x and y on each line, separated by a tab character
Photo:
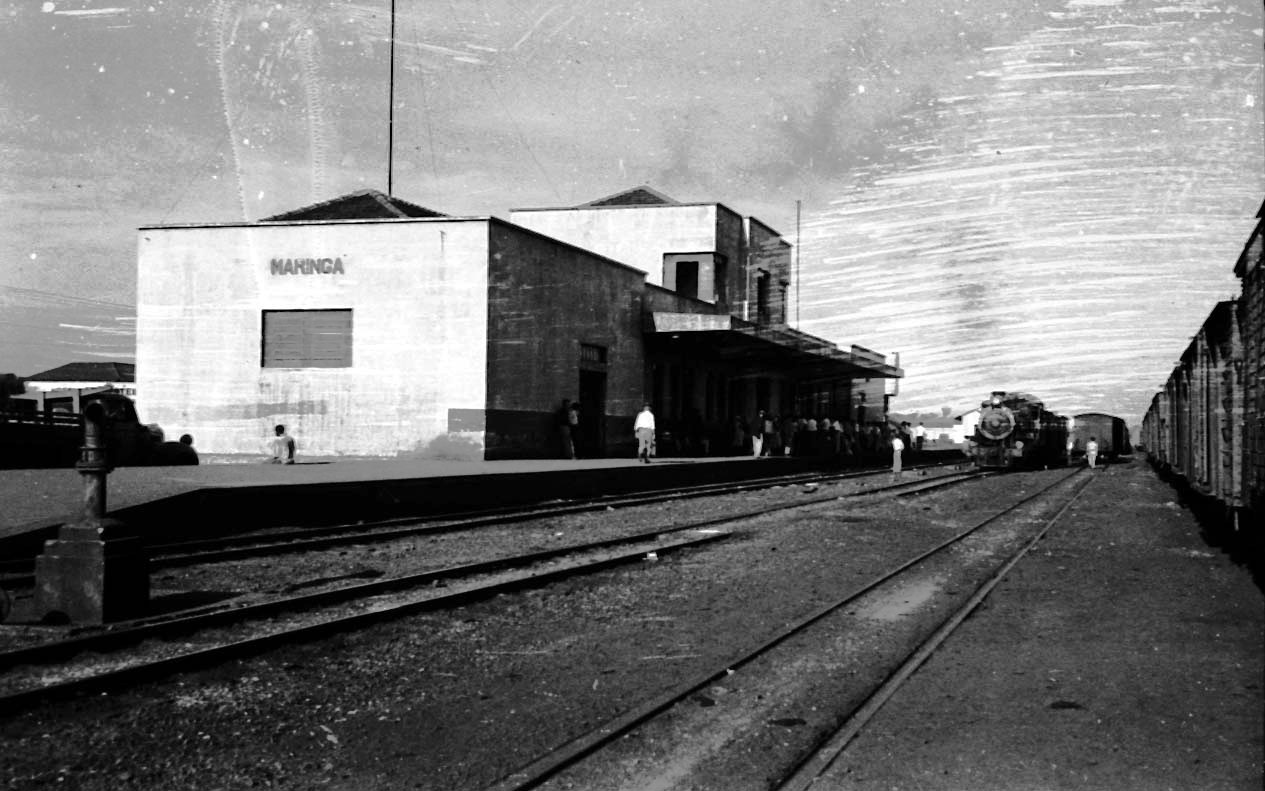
234	494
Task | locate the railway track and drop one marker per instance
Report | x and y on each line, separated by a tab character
164	646
580	763
16	574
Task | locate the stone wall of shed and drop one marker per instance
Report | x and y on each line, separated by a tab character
546	301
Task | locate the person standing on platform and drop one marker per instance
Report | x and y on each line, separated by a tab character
573	425
1091	452
562	422
282	446
897	447
920	436
757	434
643	429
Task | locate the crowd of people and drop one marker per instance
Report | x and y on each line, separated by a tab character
765	434
769	434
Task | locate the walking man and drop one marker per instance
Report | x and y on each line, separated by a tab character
1091	452
643	428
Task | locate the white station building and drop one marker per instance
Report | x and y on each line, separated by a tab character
371	326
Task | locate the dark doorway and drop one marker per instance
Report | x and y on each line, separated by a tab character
591	443
687	278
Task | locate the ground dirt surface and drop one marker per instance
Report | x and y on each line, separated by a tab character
1122	653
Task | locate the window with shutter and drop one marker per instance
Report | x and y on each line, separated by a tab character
307	338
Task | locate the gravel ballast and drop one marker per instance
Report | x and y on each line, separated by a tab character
456	700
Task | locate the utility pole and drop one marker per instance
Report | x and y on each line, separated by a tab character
391	106
797	264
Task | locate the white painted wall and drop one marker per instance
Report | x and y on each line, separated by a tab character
39	390
418	292
638	236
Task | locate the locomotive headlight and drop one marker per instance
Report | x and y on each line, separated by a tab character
996	400
1018	444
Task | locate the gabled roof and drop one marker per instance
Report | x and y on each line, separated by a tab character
362	205
637	196
88	372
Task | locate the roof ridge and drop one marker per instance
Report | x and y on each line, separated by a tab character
646	188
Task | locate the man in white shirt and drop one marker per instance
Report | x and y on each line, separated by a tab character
897	447
1091	452
643	428
281	446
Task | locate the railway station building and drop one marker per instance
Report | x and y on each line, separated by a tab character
371	326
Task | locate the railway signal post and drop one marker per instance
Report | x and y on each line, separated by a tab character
93	572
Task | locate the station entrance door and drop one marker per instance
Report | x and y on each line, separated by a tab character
591	443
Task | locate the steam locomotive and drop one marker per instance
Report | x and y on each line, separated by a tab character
1016	431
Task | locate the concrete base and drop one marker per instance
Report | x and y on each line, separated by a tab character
92	575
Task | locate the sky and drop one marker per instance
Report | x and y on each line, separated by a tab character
1036	195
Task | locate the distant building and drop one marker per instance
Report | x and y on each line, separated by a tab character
967	423
60	389
372	326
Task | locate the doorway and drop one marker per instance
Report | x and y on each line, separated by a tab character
591	443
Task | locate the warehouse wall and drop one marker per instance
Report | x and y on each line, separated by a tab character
546	300
417	289
637	236
770	252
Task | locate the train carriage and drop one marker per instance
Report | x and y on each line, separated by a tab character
1250	269
1155	430
1206	427
1109	431
1206	394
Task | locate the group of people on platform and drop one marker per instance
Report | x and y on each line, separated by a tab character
766	434
791	435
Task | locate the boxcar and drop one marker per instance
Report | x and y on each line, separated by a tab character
1109	431
1207	426
1250	269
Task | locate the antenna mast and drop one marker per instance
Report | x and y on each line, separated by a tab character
391	107
796	264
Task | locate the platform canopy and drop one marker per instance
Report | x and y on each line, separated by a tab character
730	339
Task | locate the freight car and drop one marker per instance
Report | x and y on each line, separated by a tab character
1016	431
1109	431
1206	428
